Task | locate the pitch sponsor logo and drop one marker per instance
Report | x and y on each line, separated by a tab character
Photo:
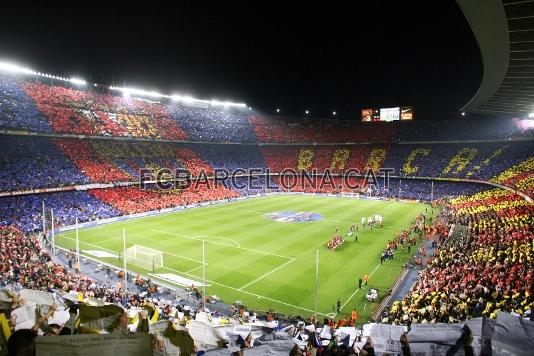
293	216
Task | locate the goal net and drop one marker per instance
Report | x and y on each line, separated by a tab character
145	257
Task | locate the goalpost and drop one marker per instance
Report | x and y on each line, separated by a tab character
145	257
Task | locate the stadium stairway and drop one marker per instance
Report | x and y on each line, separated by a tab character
411	276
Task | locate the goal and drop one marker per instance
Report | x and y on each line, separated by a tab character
145	257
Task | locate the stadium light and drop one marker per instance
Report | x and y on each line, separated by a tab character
228	103
277	110
135	91
307	112
188	99
463	113
17	69
77	81
13	68
531	114
334	113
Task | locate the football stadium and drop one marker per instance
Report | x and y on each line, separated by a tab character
139	221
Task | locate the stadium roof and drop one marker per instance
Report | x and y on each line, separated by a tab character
504	30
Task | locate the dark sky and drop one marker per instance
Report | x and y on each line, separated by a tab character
322	58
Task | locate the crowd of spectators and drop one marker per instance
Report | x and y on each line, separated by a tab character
38	107
40	162
25	264
191	161
424	190
480	272
459	283
211	125
17	112
26	211
131	200
519	176
473	161
98	169
230	157
335	158
288	130
90	113
30	163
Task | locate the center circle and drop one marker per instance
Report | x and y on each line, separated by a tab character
293	216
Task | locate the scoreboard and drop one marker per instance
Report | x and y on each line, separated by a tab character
387	114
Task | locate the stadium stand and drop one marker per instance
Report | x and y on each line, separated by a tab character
131	200
480	271
212	125
35	106
29	163
88	113
17	112
25	211
480	265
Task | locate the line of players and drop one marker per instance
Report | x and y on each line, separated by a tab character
335	242
338	240
372	222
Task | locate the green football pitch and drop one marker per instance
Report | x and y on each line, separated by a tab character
268	264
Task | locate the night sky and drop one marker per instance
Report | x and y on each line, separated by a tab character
322	58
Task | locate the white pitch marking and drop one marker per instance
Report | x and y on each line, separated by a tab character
249	293
348	300
268	273
197	238
87	243
194	269
185	258
218	243
217	237
118	237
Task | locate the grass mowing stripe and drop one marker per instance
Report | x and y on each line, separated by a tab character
275	261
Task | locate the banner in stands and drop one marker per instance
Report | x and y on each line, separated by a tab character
481	332
36	191
512	335
386	338
138	344
437	339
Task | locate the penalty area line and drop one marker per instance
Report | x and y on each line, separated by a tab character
199	239
194	269
223	244
266	274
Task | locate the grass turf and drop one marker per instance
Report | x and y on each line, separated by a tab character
269	264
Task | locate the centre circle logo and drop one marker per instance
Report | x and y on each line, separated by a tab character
293	216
